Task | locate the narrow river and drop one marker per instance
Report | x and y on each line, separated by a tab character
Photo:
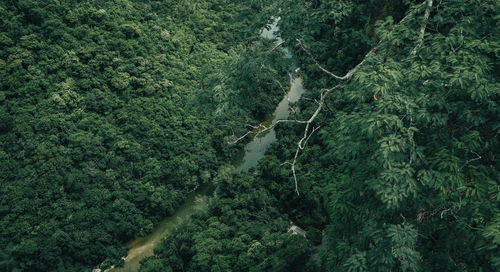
143	246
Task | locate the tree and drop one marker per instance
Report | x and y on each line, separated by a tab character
406	138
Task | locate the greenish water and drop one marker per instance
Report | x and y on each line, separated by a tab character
255	149
143	246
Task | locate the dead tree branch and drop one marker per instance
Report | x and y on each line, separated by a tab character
281	86
277	45
478	157
349	74
424	26
260	129
305	138
257	130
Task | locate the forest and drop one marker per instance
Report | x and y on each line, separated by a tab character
111	112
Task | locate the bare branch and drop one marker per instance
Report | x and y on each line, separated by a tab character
317	63
277	45
300	146
478	157
260	129
303	141
257	130
281	86
424	26
351	72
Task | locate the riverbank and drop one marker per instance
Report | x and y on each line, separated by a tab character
253	151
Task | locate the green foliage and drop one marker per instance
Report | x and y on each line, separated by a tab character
99	135
248	86
110	112
242	230
409	146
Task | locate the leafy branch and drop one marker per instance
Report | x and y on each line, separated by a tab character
257	130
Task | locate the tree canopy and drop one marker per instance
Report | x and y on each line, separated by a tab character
112	111
104	125
402	173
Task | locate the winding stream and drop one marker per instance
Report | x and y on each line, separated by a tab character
143	246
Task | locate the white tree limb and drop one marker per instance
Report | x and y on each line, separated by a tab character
277	45
257	130
351	72
424	26
478	157
260	129
303	141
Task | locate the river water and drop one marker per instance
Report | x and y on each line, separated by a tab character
143	246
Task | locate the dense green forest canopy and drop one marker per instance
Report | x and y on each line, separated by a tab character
110	113
410	148
404	173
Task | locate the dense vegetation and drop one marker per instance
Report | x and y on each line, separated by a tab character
403	174
243	229
410	151
111	112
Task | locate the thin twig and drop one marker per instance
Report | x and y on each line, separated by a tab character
471	160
